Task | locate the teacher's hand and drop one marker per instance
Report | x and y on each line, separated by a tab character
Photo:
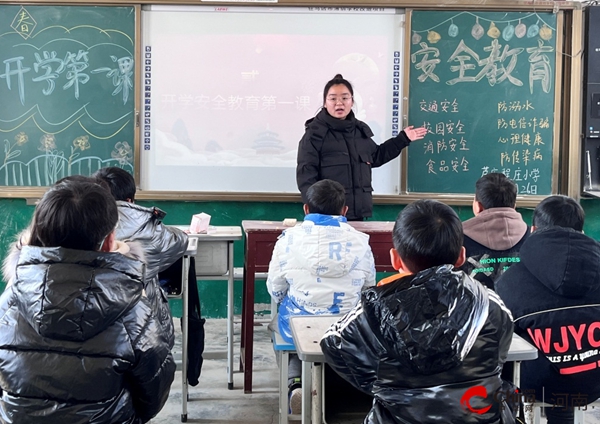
415	133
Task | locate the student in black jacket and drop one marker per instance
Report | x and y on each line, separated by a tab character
554	296
339	147
80	341
429	342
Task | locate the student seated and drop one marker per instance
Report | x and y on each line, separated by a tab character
162	245
318	267
495	235
428	343
554	295
79	340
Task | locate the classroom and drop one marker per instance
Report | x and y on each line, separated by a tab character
205	104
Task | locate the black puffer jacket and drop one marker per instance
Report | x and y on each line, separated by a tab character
554	295
162	246
419	343
343	150
79	342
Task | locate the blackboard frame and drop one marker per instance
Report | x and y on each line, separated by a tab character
569	175
461	198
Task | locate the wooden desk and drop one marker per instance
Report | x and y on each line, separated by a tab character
258	249
307	332
217	236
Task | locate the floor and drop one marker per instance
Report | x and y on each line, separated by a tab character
211	402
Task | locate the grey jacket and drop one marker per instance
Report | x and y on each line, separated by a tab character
162	246
79	341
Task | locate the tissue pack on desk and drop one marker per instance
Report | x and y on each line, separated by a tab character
199	223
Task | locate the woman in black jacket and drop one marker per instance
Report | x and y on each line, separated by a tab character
339	147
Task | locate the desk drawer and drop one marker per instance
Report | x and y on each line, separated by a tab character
211	258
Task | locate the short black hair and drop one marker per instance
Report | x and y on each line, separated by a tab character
75	214
121	182
496	190
560	211
84	178
428	233
326	197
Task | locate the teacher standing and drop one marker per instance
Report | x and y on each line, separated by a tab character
339	147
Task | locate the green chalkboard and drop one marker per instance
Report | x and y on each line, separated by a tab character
484	84
66	90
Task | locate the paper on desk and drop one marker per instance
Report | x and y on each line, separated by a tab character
200	223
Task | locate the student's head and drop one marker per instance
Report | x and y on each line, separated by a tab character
338	97
75	214
83	178
427	233
326	197
494	190
560	211
121	183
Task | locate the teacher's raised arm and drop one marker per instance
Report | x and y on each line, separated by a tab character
339	147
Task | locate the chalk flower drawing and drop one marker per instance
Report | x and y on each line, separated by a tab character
47	143
122	152
20	139
80	143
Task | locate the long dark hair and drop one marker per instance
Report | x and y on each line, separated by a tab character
75	214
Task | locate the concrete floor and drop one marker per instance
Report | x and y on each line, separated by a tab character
211	402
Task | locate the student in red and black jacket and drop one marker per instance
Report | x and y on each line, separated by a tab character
554	296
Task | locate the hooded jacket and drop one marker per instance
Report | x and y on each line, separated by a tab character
162	246
79	341
343	150
492	240
554	295
429	347
319	267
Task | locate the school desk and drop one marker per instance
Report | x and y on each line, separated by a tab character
307	332
258	248
214	261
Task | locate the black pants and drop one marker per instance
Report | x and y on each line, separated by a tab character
294	368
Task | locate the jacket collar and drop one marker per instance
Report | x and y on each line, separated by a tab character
393	278
325	220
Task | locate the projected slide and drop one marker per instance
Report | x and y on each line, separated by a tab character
226	91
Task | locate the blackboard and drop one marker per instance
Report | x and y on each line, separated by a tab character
66	90
484	85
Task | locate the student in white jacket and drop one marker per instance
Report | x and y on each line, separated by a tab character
318	267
